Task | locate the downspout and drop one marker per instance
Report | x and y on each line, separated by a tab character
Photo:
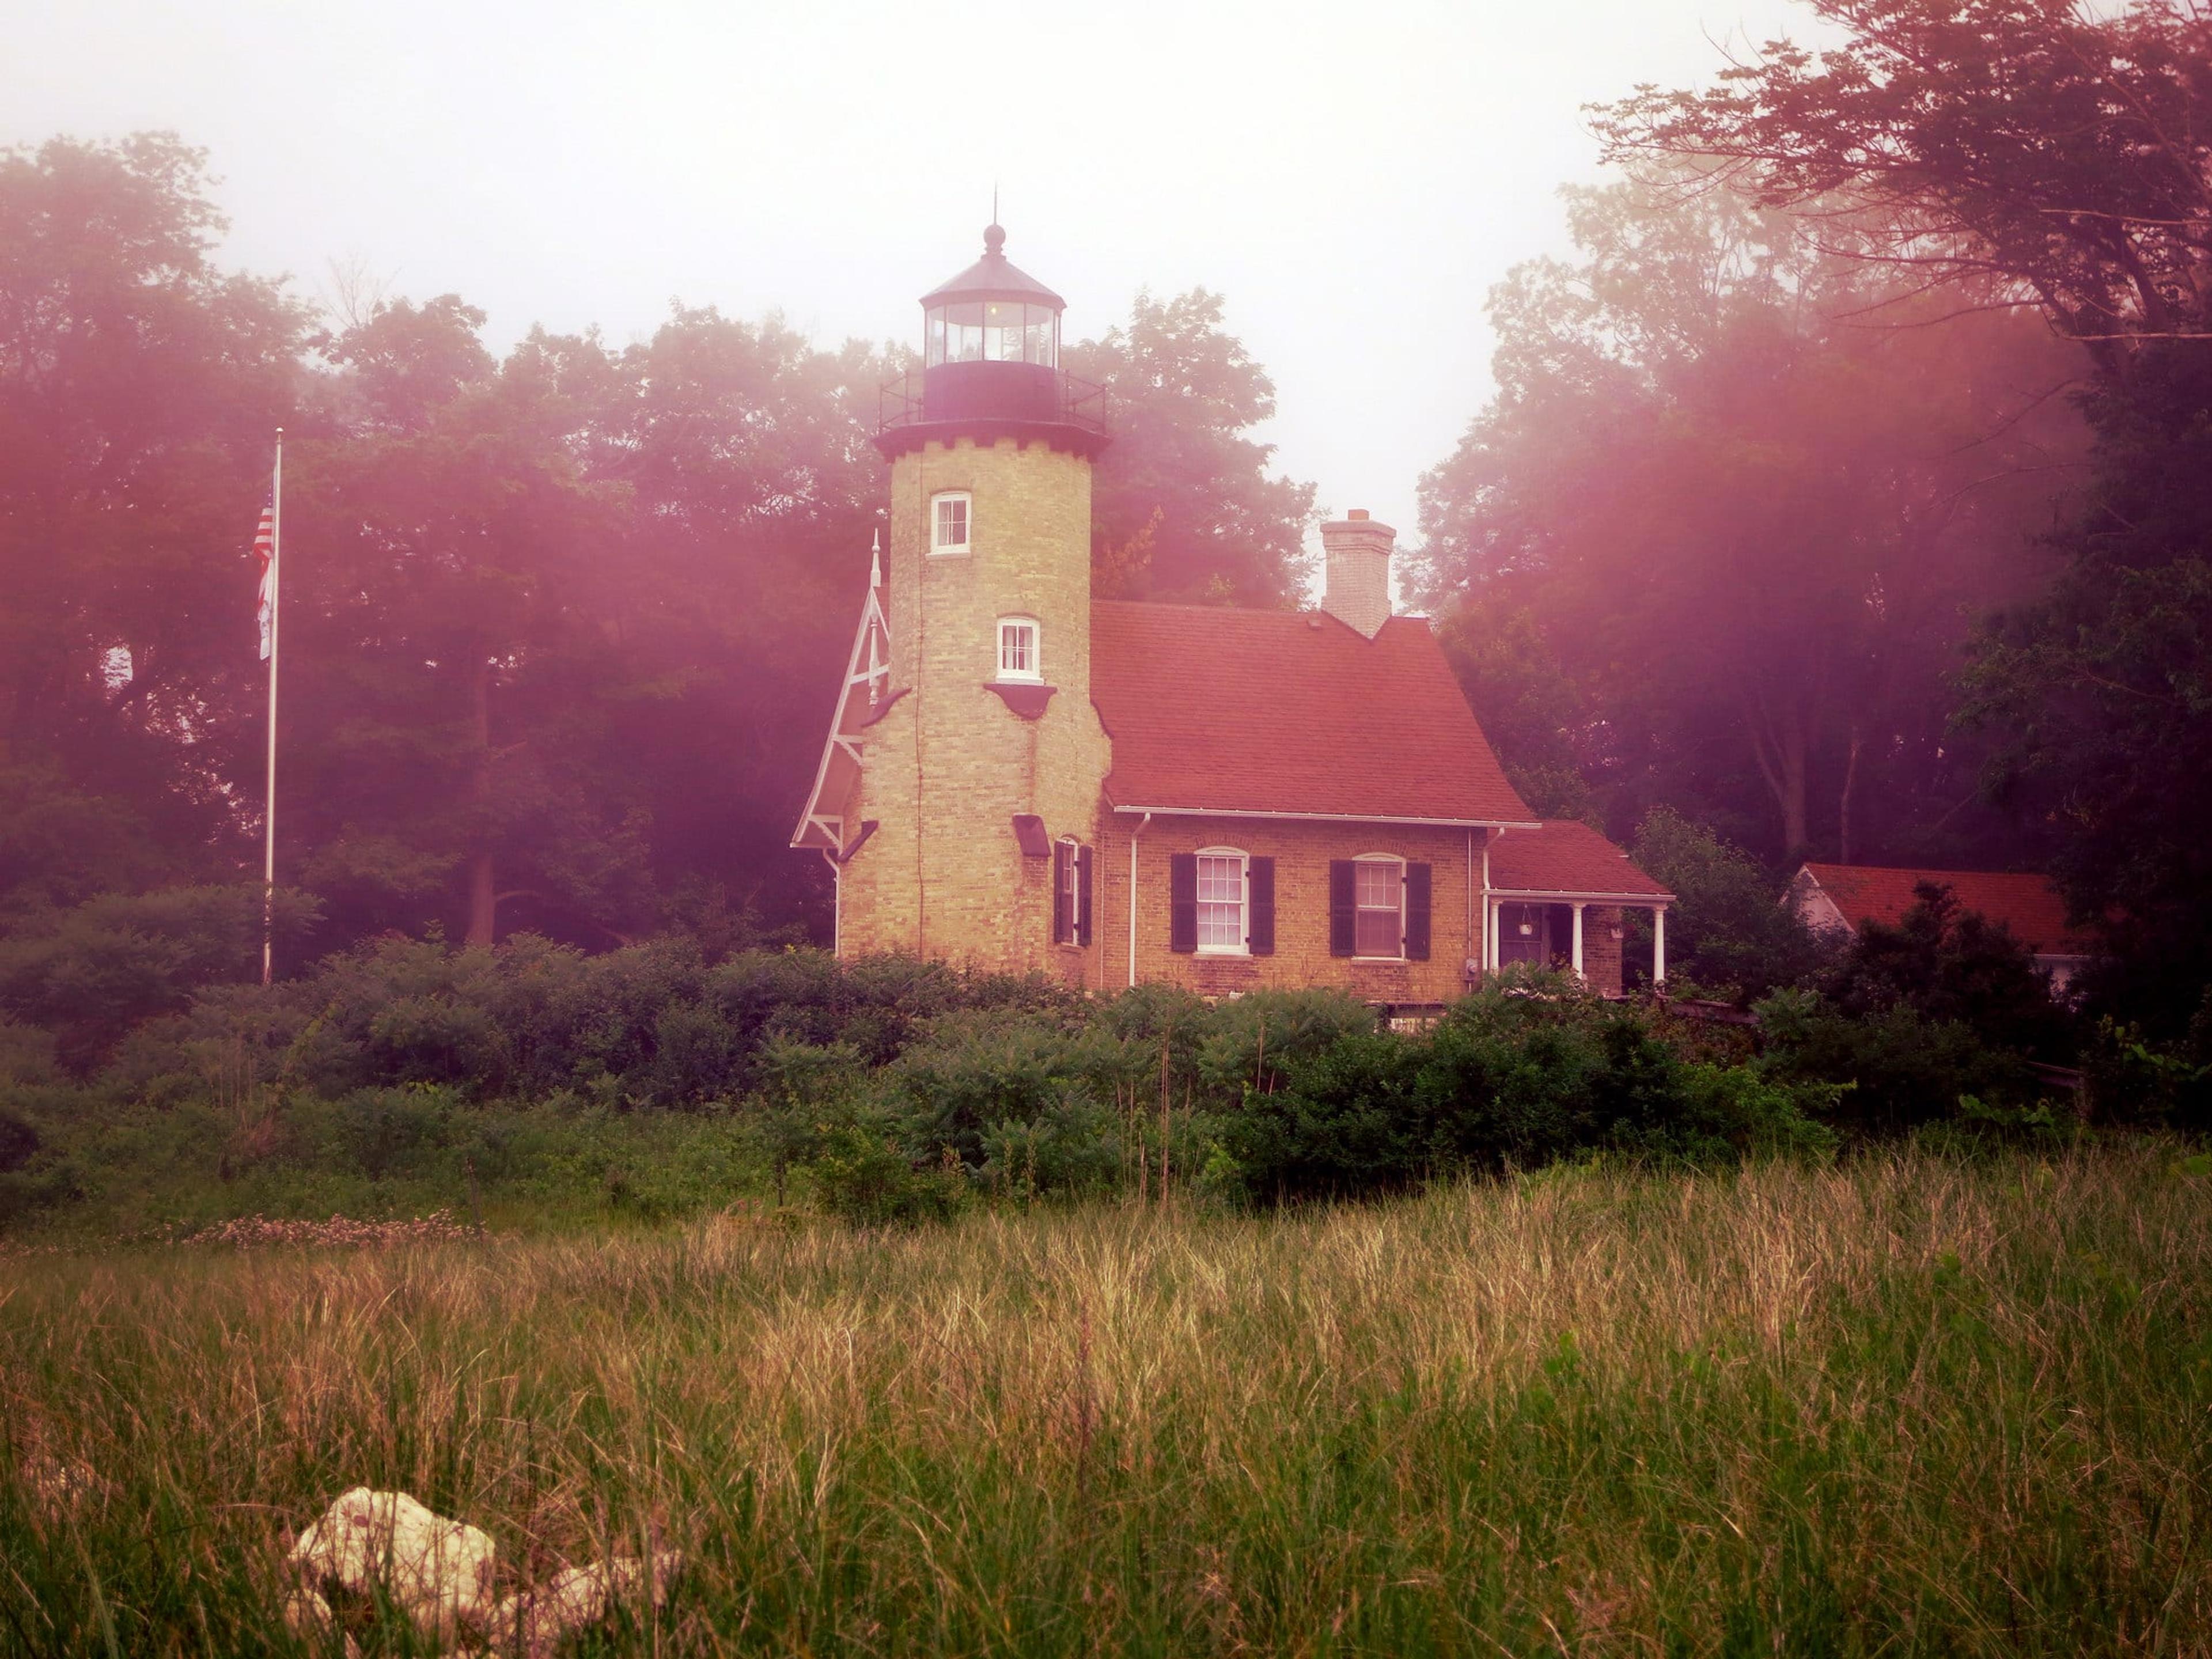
1489	910
1134	834
1467	953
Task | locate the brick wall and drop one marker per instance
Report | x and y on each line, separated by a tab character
1301	852
948	767
1601	951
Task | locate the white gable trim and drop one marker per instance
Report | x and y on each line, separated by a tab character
864	692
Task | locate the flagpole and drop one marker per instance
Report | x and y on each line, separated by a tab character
269	813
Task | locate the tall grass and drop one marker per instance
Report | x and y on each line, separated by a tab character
1904	1404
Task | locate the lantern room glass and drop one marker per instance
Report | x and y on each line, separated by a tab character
991	331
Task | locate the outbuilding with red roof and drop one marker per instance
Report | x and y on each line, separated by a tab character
1845	897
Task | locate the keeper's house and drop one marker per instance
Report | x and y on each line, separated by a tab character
1022	778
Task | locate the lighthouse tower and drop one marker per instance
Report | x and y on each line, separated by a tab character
958	795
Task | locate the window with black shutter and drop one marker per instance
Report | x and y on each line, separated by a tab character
1261	878
1083	895
1343	906
1417	913
1063	881
1182	902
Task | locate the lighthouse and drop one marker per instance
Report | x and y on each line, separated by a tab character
957	797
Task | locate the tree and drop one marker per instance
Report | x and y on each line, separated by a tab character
1751	526
451	639
1951	964
140	390
2039	152
1181	505
1728	928
2098	695
2030	152
1536	718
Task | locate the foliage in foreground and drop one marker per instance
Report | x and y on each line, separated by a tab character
534	1082
1898	1404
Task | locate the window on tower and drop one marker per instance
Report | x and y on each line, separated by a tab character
1018	658
948	515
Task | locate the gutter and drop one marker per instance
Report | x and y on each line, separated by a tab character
1326	817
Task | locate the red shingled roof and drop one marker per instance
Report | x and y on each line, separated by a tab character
1289	712
2028	904
1567	857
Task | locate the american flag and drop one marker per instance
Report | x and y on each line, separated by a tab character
265	549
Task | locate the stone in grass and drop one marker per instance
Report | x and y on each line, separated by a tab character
439	1571
308	1617
58	1488
532	1622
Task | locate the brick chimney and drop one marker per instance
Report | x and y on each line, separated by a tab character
1356	578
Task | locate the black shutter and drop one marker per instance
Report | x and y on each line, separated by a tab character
1343	908
1182	902
1261	936
1417	913
1060	879
1083	895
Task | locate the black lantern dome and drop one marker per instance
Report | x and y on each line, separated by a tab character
991	363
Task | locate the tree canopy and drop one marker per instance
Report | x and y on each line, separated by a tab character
1182	506
1752	526
560	625
2033	153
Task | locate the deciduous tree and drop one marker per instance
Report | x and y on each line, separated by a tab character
1182	506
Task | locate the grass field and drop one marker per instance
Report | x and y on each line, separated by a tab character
1906	1405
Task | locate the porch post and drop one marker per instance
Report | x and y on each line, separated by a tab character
1658	946
1578	940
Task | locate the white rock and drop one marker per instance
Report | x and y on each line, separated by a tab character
59	1488
439	1570
308	1617
532	1622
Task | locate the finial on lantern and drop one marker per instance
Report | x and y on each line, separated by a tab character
876	559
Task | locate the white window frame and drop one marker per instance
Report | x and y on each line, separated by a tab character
1370	860
1032	675
938	548
1242	947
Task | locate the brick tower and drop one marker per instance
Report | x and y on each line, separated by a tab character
959	792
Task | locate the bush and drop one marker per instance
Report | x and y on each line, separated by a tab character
89	973
1952	966
394	1132
863	1175
1899	1069
1727	927
1516	1075
979	1071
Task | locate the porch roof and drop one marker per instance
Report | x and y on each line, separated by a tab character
1565	861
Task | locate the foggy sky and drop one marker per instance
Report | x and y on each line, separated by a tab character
1352	178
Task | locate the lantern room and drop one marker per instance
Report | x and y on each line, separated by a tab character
990	365
992	313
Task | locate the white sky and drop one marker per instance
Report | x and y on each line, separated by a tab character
1352	176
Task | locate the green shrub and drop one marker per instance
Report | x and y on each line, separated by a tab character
395	1132
863	1175
1951	966
1727	927
1516	1075
979	1071
1897	1068
1343	1124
